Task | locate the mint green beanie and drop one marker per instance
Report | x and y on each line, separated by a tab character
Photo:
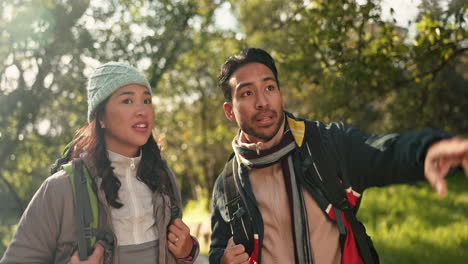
108	78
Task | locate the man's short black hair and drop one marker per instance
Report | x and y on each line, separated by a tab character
236	61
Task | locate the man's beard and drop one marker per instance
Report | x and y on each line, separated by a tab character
252	132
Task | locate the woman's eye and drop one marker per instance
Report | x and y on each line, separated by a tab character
147	101
127	101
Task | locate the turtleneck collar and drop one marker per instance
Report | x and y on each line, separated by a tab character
121	161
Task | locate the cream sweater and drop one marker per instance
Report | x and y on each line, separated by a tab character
134	221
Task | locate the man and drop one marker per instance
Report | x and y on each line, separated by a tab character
298	182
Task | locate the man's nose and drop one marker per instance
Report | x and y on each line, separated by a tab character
261	101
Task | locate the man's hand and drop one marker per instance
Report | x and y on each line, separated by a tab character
442	156
96	258
179	240
234	254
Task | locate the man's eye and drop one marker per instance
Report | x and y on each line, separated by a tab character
147	101
247	93
270	88
127	101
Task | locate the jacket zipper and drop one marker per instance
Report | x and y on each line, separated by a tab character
313	162
132	194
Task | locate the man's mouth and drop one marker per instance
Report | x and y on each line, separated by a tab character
265	118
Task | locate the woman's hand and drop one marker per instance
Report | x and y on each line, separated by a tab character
96	258
179	240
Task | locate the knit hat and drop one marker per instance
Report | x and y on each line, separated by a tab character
108	78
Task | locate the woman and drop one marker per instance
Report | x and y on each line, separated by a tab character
137	194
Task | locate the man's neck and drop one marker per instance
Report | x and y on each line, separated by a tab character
246	141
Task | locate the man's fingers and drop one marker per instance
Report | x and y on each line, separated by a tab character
442	156
230	242
234	253
465	166
436	177
231	256
450	148
234	249
237	249
441	187
242	258
433	173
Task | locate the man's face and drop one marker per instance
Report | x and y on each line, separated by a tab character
257	102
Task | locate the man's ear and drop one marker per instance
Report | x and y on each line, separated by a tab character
227	106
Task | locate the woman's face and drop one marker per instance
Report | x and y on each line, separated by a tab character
128	119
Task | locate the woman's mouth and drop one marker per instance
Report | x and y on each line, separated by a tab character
141	126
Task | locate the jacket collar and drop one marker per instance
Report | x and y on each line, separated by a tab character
297	128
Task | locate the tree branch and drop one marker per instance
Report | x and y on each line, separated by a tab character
435	70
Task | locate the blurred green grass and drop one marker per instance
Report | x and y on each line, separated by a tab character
412	224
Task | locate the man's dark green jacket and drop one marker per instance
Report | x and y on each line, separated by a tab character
365	160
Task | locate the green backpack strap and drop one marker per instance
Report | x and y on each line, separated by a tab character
86	207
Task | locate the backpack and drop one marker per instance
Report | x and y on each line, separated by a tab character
330	189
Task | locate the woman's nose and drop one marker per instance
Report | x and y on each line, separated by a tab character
142	109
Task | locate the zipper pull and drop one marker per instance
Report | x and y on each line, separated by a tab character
132	164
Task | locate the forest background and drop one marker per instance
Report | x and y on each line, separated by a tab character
337	60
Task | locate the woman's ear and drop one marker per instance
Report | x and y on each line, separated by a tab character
227	106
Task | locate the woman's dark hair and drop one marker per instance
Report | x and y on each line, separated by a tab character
89	139
236	61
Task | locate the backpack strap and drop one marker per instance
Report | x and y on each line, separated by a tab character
240	219
332	186
327	179
86	209
172	190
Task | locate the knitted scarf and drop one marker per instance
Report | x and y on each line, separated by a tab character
282	152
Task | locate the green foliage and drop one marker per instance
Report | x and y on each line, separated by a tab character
411	224
197	218
340	60
189	114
